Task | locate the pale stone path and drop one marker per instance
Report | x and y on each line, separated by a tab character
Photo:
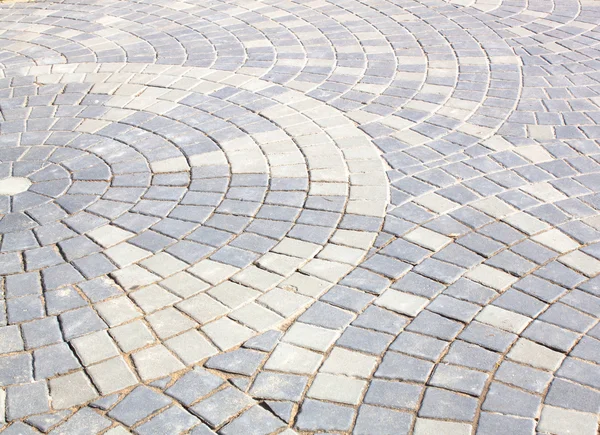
277	217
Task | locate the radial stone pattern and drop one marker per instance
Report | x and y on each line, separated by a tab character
300	217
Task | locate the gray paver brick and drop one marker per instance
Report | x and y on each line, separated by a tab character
380	420
137	405
194	385
315	415
25	400
255	421
173	420
221	406
438	403
279	386
508	400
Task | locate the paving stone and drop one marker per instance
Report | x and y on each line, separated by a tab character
283	410
105	402
25	400
293	359
563	421
265	341
137	405
524	377
226	333
371	418
173	420
540	288
95	347
582	301
278	386
438	403
381	320
112	375
191	347
459	379
83	421
560	274
533	354
311	337
24	309
345	362
491	277
62	300
155	362
16	369
490	423
402	367
132	336
418	285
347	298
169	322
419	345
256	421
520	303
507	400
579	371
471	291
439	270
453	308
425	426
398	395
551	336
99	289
19	428
315	415
241	384
498	318
70	390
435	325
22	285
10	339
365	340
470	355
240	361
80	322
45	422
54	360
336	388
489	337
202	429
573	396
221	406
366	281
327	316
386	266
406	251
403	303
194	385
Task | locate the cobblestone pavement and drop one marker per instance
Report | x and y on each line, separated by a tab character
253	217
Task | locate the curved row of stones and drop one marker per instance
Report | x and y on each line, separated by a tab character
242	201
196	205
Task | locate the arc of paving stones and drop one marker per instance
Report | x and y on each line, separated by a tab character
433	109
506	316
526	19
344	82
192	195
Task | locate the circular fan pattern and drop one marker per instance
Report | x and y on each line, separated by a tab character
282	217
